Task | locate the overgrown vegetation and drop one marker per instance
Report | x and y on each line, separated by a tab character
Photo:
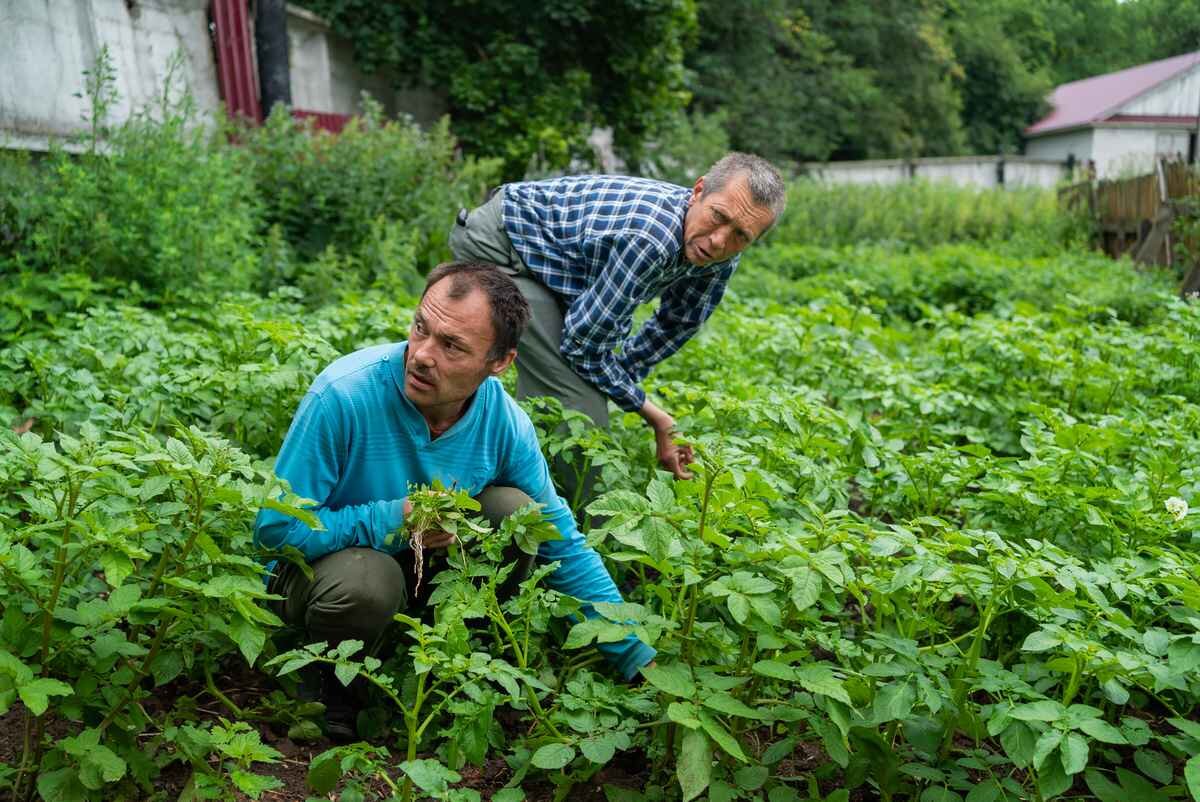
168	205
922	214
939	544
792	80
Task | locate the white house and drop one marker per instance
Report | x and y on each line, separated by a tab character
45	45
1123	121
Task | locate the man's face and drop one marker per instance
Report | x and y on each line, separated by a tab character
448	344
721	224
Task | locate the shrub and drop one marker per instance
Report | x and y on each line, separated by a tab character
381	195
923	214
160	201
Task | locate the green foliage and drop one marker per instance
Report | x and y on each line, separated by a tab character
526	82
685	148
929	534
923	214
781	86
123	566
1002	47
1134	32
810	80
941	532
160	202
966	278
369	207
170	208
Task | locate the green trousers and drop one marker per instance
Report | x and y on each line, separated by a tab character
354	593
541	369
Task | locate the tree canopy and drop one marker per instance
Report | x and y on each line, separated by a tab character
527	81
792	80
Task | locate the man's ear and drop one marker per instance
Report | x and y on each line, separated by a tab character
697	191
500	365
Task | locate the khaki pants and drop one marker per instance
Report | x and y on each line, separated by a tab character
541	370
354	593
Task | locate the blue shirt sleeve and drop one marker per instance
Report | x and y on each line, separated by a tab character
685	305
311	461
580	573
599	318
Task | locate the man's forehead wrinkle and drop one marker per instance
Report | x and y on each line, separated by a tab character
457	318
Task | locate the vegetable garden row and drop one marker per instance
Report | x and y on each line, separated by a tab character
938	547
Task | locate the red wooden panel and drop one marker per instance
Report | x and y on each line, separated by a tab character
324	120
235	59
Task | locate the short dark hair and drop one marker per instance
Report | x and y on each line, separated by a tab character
510	310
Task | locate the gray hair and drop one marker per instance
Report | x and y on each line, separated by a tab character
767	188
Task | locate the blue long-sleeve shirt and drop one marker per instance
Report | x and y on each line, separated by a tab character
606	244
357	443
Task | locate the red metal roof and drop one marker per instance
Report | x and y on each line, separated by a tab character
1095	99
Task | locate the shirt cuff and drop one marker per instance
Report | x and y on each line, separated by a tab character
632	401
638	655
393	520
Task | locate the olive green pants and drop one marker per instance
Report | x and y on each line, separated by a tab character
541	369
354	593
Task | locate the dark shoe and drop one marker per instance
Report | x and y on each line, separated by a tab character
341	709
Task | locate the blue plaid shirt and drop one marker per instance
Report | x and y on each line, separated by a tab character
606	244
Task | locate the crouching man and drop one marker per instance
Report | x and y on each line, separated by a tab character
389	416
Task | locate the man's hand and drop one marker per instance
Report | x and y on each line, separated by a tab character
432	538
672	456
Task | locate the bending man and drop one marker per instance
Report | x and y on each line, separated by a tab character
587	250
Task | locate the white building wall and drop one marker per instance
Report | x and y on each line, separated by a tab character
1028	173
1059	147
872	171
1128	151
961	172
308	61
1178	97
973	171
45	45
324	74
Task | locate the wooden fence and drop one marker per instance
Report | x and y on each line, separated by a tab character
1134	216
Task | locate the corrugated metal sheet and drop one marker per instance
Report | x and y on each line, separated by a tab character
1094	99
235	59
323	120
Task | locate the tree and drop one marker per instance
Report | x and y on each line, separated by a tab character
904	48
1003	47
785	91
525	80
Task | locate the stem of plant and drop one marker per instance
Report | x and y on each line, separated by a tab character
967	668
144	670
216	693
710	478
32	755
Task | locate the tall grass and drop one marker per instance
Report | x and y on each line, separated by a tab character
921	214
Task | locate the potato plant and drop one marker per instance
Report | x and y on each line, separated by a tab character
940	545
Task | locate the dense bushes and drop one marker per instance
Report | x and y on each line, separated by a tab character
921	214
968	277
169	205
382	195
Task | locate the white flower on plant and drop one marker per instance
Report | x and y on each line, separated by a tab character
1177	507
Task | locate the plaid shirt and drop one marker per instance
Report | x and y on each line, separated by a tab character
606	244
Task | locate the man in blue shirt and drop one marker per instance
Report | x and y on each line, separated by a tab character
391	416
587	250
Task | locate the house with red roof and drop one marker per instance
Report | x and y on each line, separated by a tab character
1123	121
